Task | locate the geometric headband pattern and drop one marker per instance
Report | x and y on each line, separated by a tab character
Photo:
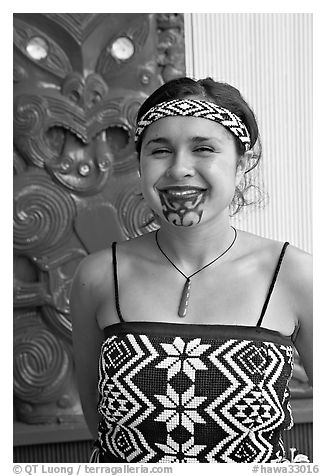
195	108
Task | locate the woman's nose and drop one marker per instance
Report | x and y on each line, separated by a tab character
180	166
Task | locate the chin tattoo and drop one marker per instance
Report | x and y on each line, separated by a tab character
182	211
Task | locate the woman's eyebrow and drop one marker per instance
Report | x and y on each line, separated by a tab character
157	140
195	140
198	139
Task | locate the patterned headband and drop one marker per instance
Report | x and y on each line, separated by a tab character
195	108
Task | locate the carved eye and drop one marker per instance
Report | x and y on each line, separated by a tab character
37	48
122	48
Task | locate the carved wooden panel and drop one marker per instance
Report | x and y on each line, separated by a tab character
79	80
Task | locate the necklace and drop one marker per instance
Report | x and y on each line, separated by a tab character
184	301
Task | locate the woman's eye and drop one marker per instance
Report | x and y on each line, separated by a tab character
160	151
204	149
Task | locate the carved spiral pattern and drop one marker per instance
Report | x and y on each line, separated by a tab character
135	217
42	364
43	214
29	114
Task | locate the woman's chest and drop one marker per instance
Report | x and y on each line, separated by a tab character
233	295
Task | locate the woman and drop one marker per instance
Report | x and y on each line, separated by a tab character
192	326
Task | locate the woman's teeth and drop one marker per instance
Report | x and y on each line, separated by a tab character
183	193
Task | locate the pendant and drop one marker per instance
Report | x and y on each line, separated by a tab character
183	306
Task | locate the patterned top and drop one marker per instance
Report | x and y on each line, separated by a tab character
193	393
186	393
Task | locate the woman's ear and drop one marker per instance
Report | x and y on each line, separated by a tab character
242	166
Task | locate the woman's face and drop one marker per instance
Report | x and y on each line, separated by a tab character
188	169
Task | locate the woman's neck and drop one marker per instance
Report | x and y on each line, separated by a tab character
191	248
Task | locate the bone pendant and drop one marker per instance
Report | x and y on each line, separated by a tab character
182	311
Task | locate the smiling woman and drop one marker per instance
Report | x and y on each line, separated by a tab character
191	168
215	101
192	327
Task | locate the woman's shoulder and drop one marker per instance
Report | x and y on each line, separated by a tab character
298	270
296	263
96	267
135	251
94	274
255	243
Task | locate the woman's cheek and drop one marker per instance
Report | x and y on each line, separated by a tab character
149	192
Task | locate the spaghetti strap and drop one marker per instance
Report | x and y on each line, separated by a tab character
115	276
277	269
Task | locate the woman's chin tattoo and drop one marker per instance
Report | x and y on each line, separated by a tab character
183	209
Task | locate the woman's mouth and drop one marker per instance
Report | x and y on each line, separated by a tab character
183	192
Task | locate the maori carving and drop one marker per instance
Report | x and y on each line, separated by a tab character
83	169
30	294
171	45
43	214
18	163
135	216
121	130
57	321
30	113
86	93
46	128
39	357
59	266
79	80
53	57
125	45
52	286
78	25
19	73
73	142
42	369
147	73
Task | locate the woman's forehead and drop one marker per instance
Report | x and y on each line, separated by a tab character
185	127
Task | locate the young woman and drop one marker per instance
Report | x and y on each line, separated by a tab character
184	337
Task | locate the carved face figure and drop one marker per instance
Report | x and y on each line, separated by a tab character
188	170
79	80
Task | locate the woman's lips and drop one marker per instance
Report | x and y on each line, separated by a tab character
182	192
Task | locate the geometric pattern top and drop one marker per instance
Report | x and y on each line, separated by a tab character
185	393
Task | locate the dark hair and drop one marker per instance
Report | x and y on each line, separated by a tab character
223	95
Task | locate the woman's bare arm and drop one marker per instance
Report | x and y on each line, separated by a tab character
87	336
300	281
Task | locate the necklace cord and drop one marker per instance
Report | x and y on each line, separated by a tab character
206	265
